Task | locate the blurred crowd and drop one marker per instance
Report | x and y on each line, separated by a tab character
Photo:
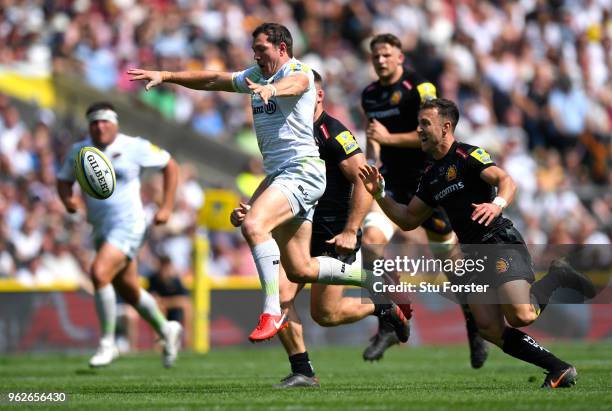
531	77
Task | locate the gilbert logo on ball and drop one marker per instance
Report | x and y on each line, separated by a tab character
95	173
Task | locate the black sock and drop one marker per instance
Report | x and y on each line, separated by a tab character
300	364
542	290
379	309
470	322
522	346
383	326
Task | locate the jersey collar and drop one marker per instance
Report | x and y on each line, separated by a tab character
321	119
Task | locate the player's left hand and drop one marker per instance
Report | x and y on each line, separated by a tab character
162	216
345	242
372	179
485	212
377	132
265	91
153	78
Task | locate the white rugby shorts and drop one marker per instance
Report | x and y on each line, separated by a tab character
303	183
126	236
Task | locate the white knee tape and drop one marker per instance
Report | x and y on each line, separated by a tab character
381	222
444	246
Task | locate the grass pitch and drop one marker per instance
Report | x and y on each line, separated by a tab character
409	378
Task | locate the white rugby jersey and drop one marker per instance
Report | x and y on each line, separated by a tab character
128	155
283	126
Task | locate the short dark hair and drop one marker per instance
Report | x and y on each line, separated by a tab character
100	105
446	109
277	34
317	77
385	38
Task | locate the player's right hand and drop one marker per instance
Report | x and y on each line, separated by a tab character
238	214
153	77
372	179
345	242
70	204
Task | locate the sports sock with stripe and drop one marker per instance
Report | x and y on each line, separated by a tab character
524	347
332	271
106	308
148	309
267	261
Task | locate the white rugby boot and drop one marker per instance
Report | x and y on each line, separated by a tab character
172	342
105	354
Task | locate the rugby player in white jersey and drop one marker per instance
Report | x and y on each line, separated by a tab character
283	100
119	228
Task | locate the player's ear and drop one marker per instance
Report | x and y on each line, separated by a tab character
401	57
282	47
447	127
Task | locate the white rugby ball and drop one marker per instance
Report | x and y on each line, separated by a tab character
95	173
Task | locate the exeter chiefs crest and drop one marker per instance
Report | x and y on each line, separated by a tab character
451	173
396	97
502	265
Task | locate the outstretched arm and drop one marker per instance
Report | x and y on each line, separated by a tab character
198	80
293	85
407	217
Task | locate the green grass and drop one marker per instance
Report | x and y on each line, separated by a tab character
408	378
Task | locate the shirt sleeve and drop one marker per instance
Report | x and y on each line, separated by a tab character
425	194
343	146
297	67
478	160
151	155
66	171
425	89
253	73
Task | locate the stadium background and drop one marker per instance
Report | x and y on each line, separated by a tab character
532	79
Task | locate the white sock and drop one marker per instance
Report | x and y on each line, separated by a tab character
332	271
267	260
106	307
148	309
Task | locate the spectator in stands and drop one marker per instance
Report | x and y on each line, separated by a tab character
171	295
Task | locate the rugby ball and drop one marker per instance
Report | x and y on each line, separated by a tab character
95	173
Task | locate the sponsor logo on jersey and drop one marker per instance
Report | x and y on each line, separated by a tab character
384	113
450	189
427	91
269	108
451	173
482	156
396	97
347	141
